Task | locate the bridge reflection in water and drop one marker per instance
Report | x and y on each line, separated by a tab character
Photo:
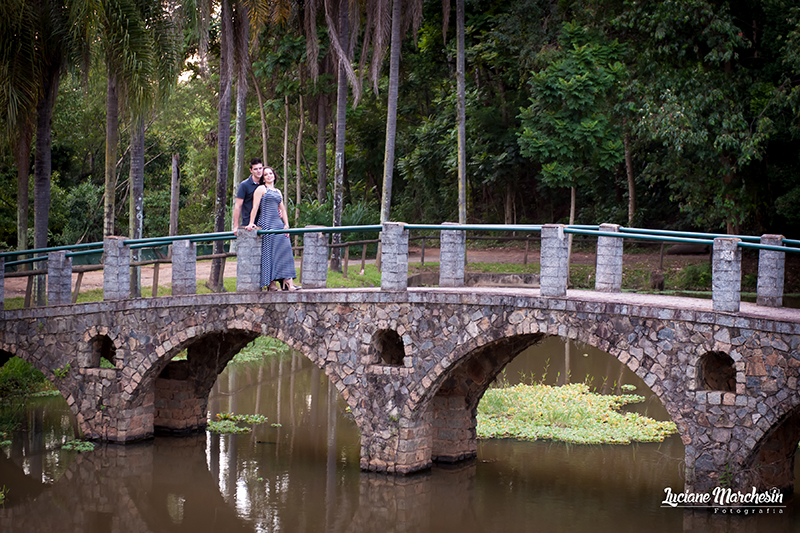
302	475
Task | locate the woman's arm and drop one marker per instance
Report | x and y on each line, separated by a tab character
284	216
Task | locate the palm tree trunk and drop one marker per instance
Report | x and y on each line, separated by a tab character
462	115
322	148
136	212
22	154
341	120
42	168
243	60
286	147
391	115
174	196
631	182
264	128
223	139
572	202
112	140
298	161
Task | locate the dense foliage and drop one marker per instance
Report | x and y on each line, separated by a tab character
706	93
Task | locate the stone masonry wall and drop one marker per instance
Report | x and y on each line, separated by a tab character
446	335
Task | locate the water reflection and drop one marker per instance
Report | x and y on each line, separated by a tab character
299	472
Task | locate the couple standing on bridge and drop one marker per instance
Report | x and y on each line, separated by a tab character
259	205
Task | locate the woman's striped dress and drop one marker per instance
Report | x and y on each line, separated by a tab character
277	261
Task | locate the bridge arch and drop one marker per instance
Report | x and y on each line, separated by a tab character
771	461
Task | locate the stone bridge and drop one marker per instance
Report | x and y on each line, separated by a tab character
412	364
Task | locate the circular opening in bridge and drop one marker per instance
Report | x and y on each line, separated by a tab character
717	372
103	352
389	346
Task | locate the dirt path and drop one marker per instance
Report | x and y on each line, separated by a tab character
15	287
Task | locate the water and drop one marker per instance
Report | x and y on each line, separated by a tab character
299	471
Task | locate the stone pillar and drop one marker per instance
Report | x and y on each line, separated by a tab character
403	447
116	269
184	267
59	278
771	265
726	275
451	257
315	260
555	269
248	260
608	274
394	257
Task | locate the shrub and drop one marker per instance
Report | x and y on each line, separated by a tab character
695	277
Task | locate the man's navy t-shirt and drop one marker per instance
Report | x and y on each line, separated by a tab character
245	192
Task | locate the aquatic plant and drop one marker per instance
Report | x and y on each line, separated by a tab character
78	446
260	349
231	423
569	413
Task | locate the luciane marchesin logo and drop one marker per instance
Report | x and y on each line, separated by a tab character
725	500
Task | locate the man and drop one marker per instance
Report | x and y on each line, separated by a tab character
244	195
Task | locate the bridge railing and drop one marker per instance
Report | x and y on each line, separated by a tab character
394	238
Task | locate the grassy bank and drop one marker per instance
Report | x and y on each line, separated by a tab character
570	413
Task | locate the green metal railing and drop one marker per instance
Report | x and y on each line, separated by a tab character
746	241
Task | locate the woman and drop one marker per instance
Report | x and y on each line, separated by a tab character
277	261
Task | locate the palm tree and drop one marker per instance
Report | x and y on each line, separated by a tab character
165	47
461	114
343	25
223	136
340	37
414	16
33	45
129	34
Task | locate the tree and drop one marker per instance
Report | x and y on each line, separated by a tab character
704	111
461	117
413	14
35	40
339	30
569	128
223	137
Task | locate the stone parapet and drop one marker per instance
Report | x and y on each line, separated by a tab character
771	270
315	260
554	261
451	257
608	274
116	269
726	275
394	257
248	260
184	268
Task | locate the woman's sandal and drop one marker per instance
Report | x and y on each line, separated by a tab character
272	287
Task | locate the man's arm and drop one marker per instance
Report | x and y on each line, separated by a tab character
237	214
